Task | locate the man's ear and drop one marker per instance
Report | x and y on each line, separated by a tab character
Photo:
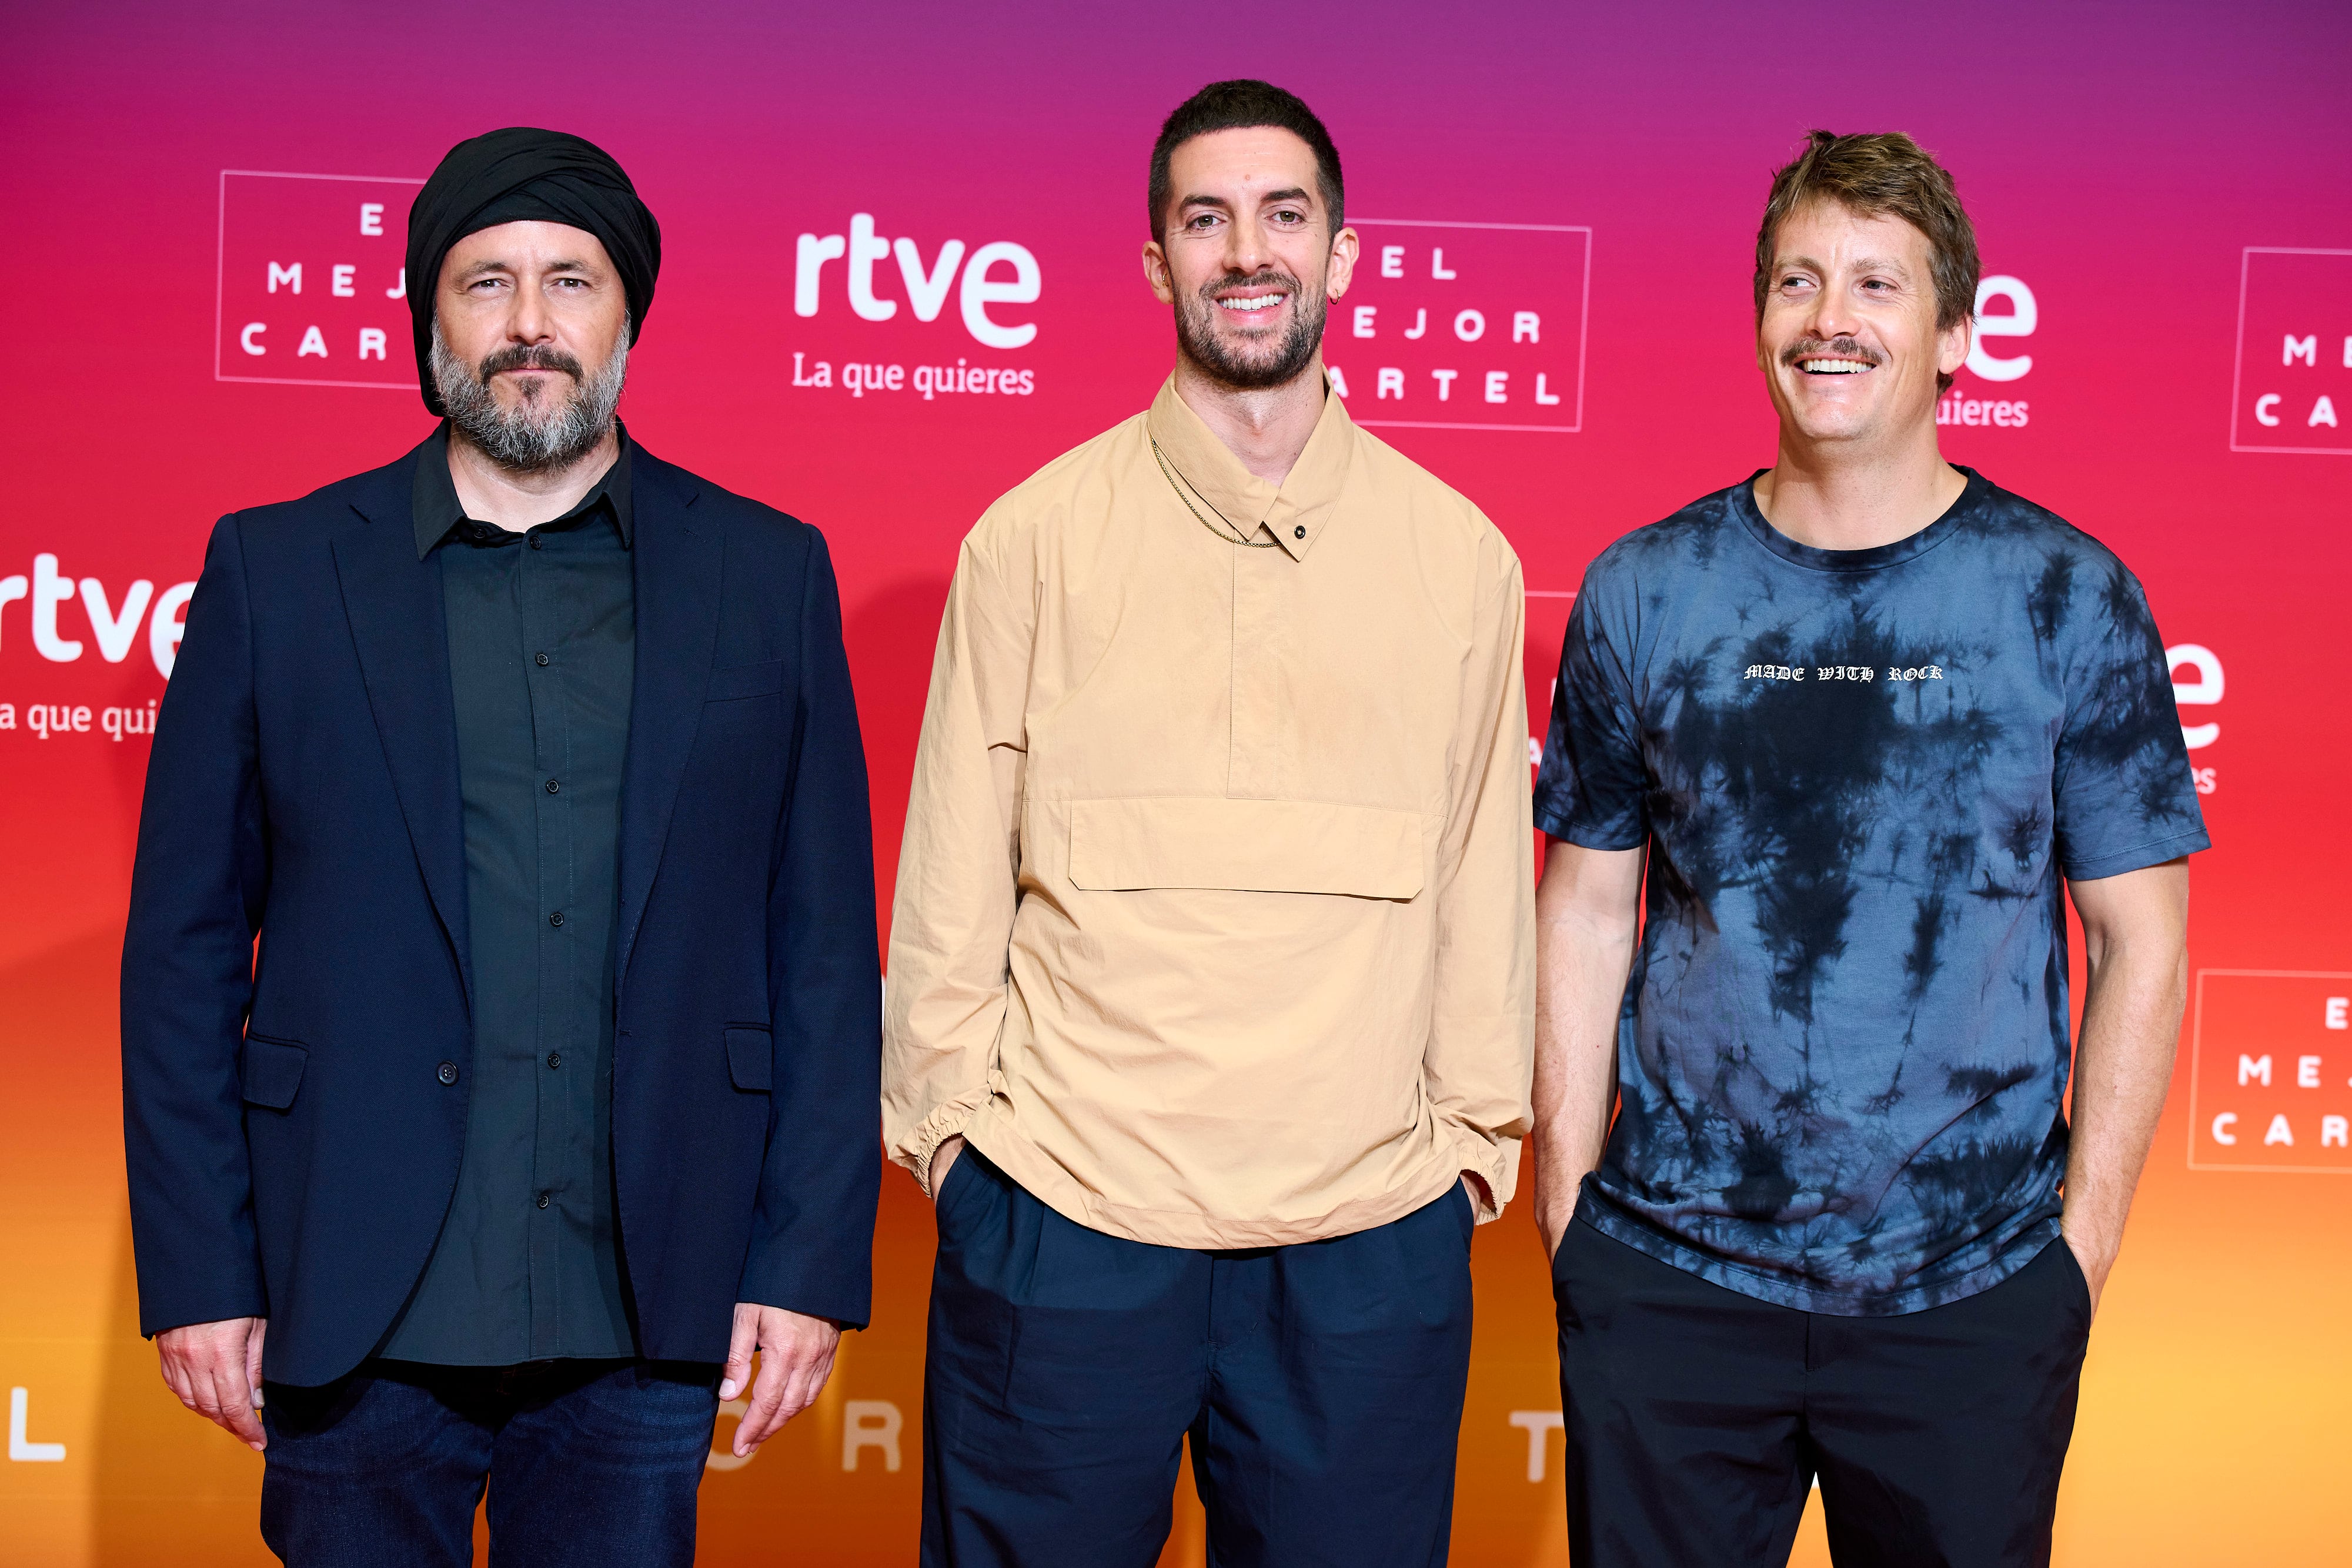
1341	269
1155	272
1952	345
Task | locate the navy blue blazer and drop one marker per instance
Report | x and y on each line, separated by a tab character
293	1114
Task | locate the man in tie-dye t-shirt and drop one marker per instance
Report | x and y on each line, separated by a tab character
1835	742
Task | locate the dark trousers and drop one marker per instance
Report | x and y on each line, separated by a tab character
588	1463
1320	1385
1698	1418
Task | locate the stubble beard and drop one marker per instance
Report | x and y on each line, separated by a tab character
1196	337
540	434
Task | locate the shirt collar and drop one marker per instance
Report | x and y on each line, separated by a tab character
1296	514
435	508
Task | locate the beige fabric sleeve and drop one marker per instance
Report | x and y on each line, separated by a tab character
951	921
1481	1035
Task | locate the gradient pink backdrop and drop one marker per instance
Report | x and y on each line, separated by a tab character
2119	159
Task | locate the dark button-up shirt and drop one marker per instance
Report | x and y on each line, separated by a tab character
541	635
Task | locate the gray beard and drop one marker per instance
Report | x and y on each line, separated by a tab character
532	438
1196	337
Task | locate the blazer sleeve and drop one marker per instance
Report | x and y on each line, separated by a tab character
197	890
812	1229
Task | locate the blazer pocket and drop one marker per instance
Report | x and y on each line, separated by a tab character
270	1071
752	1056
736	682
1259	846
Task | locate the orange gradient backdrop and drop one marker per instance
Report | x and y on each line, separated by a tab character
2166	193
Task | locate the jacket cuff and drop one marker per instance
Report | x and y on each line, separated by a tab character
845	1301
948	1121
1494	1160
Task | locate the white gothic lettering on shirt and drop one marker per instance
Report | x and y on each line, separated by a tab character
1841	673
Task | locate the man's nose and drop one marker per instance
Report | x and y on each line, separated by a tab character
1246	250
530	321
1832	316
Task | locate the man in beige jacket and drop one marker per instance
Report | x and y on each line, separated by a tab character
1209	972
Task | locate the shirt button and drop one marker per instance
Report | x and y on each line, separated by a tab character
544	1201
1299	532
447	1072
555	1059
541	659
553	788
556	918
538	543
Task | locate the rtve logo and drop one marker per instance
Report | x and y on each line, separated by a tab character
2198	683
2019	320
999	273
113	623
2295	351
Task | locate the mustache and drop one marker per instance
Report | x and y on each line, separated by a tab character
531	356
1841	348
1268	278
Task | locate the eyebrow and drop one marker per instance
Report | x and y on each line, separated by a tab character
481	268
1865	264
1293	193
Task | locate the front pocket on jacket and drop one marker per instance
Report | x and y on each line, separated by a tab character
738	681
751	1057
270	1071
1256	846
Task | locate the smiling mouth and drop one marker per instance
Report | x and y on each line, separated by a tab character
1832	367
1248	305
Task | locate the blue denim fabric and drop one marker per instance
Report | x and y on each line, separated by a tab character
588	1464
1320	1386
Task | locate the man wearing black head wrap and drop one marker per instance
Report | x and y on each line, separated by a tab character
532	761
521	175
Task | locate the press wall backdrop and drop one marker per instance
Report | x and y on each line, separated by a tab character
1557	204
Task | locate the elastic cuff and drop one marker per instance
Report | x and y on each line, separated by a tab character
948	1122
1476	1156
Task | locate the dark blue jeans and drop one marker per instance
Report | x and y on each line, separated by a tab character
1320	1385
588	1463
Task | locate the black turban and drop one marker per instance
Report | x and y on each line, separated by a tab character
523	176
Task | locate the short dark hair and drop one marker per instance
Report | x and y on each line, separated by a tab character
1236	105
1881	175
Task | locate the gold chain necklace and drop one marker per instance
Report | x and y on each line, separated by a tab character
1229	533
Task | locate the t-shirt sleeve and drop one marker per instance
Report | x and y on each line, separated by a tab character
1593	787
2126	797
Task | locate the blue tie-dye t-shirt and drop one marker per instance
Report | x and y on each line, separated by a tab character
1862	776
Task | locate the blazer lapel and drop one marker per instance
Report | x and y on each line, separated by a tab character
393	603
676	558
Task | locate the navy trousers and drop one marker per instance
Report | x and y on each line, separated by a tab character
1320	1385
590	1464
1698	1418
